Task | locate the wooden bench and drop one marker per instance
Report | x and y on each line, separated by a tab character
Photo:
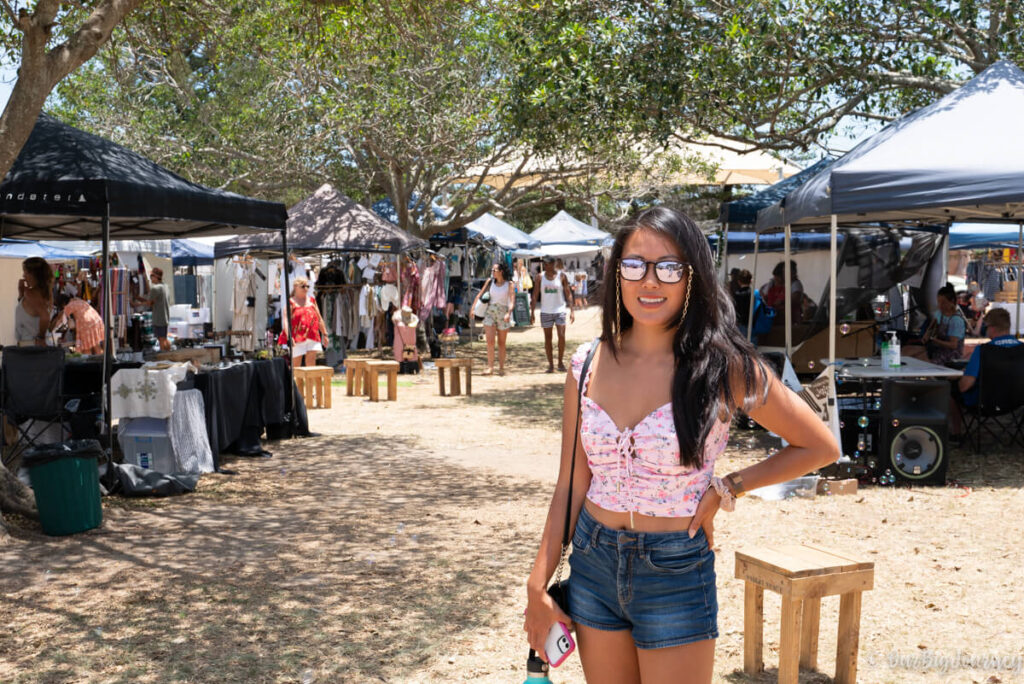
454	366
314	381
372	379
355	372
802	574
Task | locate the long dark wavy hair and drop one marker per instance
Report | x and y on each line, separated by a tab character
42	274
707	344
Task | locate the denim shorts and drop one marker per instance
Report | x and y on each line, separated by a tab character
660	585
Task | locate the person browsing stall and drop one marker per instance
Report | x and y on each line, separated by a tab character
498	318
160	304
554	295
35	302
307	326
89	333
669	372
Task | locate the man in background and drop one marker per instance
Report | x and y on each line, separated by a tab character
157	301
554	294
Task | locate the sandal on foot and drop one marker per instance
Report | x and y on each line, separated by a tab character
561	368
551	369
489	371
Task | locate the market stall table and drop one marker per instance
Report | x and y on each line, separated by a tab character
855	369
244	399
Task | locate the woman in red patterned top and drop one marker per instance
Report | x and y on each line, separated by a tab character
307	325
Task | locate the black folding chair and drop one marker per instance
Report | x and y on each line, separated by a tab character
1000	408
31	395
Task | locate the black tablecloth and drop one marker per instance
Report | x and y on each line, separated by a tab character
243	400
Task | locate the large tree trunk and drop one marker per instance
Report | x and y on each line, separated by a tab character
15	497
41	69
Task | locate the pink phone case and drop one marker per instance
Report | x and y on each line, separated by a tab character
559	644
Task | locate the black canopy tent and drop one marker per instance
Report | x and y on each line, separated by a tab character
68	184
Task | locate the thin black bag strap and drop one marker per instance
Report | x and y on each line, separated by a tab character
576	436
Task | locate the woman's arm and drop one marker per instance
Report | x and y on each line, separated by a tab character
811	443
485	288
542	612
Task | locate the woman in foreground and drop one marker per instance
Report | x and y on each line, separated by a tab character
670	371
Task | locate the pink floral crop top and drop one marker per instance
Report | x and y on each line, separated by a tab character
637	469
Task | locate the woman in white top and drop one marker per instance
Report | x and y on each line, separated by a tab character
498	319
35	302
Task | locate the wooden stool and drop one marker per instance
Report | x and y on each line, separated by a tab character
373	371
802	574
453	365
355	372
314	380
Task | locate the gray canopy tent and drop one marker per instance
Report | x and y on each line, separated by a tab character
959	159
67	184
327	221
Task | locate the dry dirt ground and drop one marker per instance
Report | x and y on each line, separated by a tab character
395	546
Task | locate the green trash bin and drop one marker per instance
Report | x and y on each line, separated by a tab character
66	484
521	312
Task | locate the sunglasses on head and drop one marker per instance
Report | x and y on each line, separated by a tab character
668	271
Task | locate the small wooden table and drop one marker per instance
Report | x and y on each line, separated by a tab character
453	365
372	373
802	574
314	381
355	372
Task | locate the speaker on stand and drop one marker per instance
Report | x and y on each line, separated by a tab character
913	434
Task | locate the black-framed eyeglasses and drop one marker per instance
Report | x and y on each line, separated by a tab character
668	271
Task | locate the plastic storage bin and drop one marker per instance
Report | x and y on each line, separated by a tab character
66	484
146	442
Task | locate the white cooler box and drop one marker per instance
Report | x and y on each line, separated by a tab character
146	442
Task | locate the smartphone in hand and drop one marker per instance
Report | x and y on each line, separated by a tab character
559	644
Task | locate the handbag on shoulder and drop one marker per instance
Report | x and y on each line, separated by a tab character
559	589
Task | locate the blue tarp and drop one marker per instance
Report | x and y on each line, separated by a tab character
981	236
958	159
743	242
744	211
187	252
23	249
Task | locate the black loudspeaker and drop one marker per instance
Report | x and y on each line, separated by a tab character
913	433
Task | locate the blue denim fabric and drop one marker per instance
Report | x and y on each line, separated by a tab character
660	585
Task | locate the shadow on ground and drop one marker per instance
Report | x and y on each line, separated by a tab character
360	570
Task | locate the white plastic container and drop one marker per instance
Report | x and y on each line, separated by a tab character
146	442
801	487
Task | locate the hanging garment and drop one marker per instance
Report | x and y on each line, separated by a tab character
244	307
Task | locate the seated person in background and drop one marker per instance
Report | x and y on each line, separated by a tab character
972	305
88	323
739	287
773	293
944	338
998	322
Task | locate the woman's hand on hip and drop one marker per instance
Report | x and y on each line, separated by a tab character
705	516
541	614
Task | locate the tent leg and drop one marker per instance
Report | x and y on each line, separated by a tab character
753	284
1020	269
286	267
789	293
833	268
108	347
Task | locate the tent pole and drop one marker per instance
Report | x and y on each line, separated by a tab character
753	284
1020	269
108	348
285	269
833	268
788	294
723	250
